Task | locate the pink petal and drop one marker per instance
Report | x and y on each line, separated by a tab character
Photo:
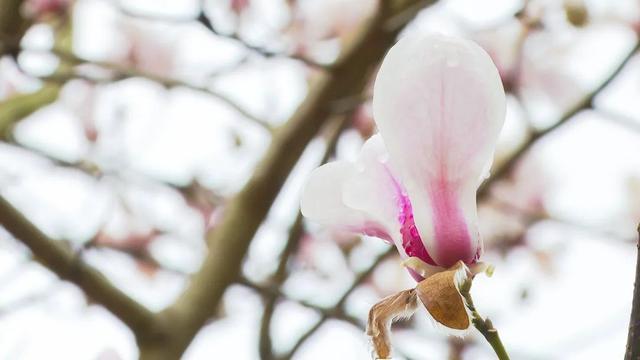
375	189
439	105
364	197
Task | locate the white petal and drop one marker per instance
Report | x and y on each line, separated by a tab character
439	105
372	188
322	196
323	202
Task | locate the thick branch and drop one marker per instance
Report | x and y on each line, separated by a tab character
245	212
12	24
69	266
633	339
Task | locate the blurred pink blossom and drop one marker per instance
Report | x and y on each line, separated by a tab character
363	120
148	50
525	189
39	8
238	6
316	20
530	62
135	242
80	98
502	43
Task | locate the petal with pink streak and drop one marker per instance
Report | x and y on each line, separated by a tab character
322	201
365	197
439	105
373	189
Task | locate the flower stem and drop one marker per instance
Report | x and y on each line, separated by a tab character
485	326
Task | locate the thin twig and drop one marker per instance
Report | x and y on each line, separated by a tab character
362	277
633	339
203	19
295	234
329	312
123	72
506	168
245	211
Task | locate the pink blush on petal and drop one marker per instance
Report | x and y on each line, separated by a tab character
450	228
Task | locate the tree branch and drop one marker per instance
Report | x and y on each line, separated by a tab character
295	234
69	266
245	212
123	72
507	167
11	24
329	312
20	106
264	345
337	308
202	19
633	339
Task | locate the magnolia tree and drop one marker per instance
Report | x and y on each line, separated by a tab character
211	179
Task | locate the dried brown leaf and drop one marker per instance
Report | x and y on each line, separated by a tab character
440	295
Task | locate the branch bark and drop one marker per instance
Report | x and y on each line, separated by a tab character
12	24
69	266
633	339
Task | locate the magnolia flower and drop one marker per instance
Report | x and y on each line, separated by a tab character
439	106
